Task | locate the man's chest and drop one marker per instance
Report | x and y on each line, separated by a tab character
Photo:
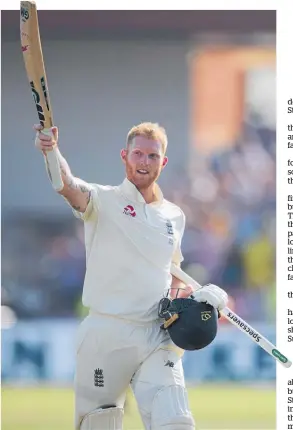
153	230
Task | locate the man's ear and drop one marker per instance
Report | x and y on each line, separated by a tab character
165	161
123	154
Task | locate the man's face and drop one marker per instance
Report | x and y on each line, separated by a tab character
144	160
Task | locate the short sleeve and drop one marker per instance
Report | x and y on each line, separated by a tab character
177	255
92	208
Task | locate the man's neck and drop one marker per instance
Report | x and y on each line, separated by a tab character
149	194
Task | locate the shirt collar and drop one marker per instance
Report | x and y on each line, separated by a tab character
130	190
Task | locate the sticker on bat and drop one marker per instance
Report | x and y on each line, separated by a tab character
36	97
24	34
43	84
24	14
24	48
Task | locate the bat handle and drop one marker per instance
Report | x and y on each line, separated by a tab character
53	165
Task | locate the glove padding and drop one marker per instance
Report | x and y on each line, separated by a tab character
213	295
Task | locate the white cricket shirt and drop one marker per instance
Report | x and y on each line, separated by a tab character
130	246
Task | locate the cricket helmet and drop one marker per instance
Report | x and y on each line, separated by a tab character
191	325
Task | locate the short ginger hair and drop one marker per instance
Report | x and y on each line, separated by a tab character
150	130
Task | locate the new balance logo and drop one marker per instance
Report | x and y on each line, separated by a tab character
169	364
129	210
99	378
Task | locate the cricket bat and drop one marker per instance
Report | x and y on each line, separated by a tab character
35	69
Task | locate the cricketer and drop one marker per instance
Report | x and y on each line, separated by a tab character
132	236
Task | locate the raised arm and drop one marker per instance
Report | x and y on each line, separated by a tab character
76	191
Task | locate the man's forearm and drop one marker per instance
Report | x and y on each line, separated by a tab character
179	289
75	191
67	177
175	286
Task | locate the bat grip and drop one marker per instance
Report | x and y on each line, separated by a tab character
53	165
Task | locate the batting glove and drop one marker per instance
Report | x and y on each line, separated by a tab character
213	295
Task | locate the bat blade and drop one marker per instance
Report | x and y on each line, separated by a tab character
34	62
35	69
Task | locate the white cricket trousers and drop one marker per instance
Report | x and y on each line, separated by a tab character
112	353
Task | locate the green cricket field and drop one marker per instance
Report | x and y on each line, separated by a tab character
214	407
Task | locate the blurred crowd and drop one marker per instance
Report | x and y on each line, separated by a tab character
230	204
229	200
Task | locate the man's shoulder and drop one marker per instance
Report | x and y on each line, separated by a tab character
174	208
99	188
103	194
